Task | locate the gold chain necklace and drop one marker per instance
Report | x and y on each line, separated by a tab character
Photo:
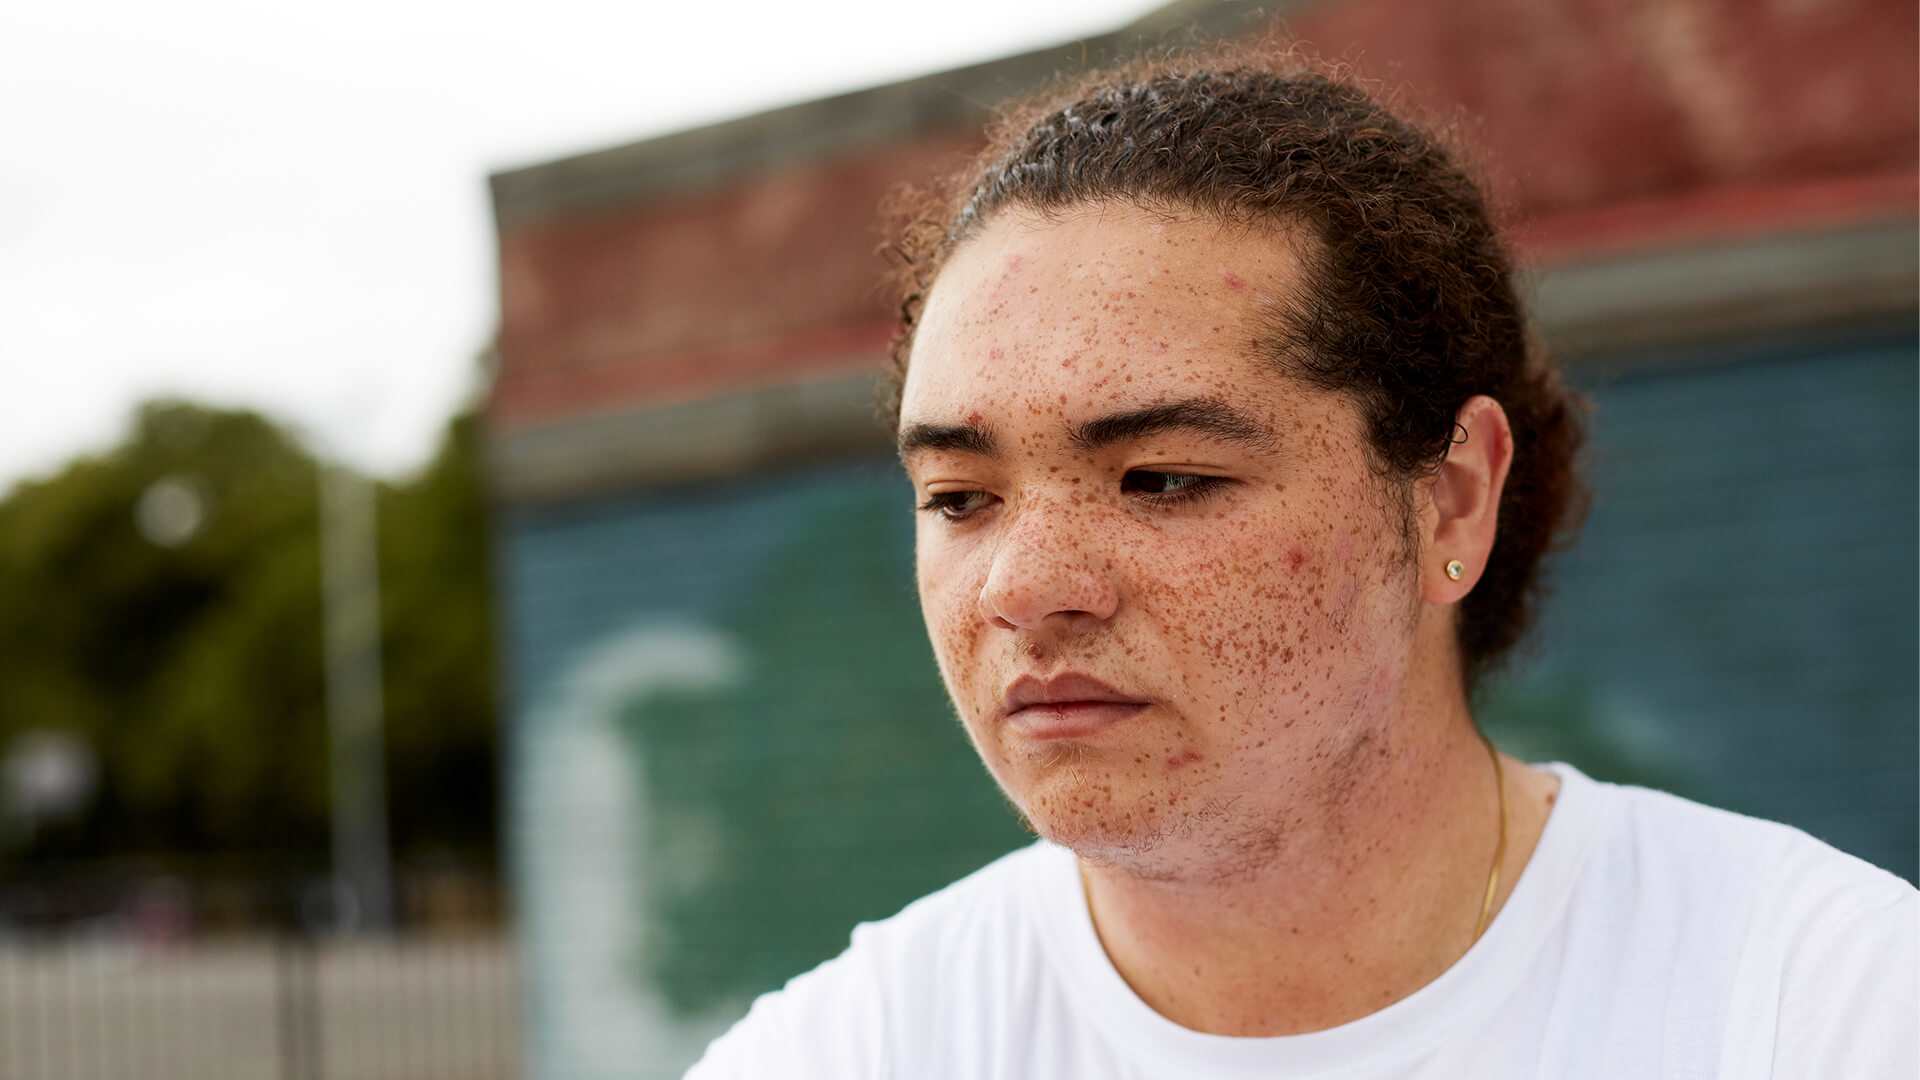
1499	848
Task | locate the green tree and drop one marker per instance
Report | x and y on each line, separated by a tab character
190	660
438	650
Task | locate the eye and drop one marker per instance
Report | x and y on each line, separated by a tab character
955	505
1169	487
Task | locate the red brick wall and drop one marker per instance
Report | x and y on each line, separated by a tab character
1611	122
1602	124
702	293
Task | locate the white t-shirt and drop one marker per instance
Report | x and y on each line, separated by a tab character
1649	937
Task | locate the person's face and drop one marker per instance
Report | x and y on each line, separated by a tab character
1119	489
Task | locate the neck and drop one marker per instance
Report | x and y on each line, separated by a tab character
1360	908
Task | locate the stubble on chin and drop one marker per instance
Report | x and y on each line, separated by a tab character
1137	832
1215	843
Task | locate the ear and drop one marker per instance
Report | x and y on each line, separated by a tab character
1463	511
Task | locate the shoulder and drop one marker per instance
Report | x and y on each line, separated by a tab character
1701	857
1829	975
1818	950
848	1017
1847	964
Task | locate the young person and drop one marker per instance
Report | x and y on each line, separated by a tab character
1235	469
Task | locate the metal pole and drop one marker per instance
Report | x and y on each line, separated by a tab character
351	579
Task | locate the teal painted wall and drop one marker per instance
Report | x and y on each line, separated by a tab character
729	742
1738	622
730	745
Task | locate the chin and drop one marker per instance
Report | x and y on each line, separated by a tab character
1101	817
1149	832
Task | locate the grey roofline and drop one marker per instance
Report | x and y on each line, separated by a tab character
956	100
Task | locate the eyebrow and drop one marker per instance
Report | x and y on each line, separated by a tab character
1210	417
963	438
1205	416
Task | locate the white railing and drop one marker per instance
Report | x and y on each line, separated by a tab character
290	1008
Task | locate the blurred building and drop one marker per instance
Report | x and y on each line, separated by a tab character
728	739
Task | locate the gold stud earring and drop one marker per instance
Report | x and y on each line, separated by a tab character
1455	569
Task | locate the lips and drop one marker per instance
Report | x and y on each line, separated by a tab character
1066	706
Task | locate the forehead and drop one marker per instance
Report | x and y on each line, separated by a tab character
1099	306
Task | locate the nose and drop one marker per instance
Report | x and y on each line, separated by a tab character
1047	565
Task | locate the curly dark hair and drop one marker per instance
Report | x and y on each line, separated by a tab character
1410	306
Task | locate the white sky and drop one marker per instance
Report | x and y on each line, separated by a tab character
284	206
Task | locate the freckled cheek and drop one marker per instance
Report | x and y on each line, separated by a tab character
1275	591
940	572
1258	627
949	604
954	627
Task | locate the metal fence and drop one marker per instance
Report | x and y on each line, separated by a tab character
289	1007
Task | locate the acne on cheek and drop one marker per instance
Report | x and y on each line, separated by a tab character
1295	609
